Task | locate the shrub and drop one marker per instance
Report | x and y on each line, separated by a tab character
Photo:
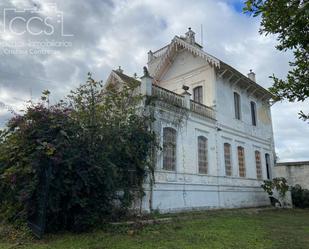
63	166
300	196
280	185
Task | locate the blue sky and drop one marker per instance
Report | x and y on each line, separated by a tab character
109	33
238	5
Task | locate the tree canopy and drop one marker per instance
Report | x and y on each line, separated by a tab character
289	21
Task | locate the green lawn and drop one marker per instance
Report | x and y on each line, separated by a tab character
214	229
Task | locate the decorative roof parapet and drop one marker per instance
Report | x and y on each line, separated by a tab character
199	52
168	50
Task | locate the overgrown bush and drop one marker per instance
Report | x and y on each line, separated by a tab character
68	166
278	184
300	196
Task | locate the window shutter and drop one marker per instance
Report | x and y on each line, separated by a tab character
237	105
241	161
253	113
169	148
198	94
202	155
227	159
258	164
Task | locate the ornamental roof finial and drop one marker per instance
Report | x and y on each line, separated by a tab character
190	36
120	70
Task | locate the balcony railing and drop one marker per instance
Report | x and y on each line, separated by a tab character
160	52
202	109
168	96
179	101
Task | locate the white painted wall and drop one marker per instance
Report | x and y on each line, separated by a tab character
191	71
185	188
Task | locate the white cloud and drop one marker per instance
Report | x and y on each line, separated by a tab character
120	32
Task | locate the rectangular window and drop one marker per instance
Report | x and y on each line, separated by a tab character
241	161
227	159
202	155
253	113
169	148
258	165
267	160
237	105
198	94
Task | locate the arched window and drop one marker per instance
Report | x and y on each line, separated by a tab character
227	159
267	160
253	113
241	161
169	148
198	94
258	165
202	155
237	105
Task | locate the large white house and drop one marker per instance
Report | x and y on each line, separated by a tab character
215	129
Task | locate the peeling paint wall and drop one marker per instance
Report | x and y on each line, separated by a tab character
294	172
185	188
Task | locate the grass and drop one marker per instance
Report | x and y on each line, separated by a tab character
230	229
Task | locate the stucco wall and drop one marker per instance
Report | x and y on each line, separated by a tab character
191	71
185	188
294	172
226	113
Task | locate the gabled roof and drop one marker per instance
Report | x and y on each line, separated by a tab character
166	54
169	51
117	77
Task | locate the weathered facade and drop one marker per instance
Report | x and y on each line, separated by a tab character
294	172
214	126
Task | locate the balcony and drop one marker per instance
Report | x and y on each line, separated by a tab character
202	109
177	100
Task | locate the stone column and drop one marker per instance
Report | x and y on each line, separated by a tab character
146	83
187	96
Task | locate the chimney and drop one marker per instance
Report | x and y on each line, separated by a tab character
119	69
251	75
190	36
150	56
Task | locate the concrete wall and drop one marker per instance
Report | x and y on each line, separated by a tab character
294	172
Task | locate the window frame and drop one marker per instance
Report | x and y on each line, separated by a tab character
258	165
267	165
237	105
173	147
230	170
199	97
206	159
253	113
241	161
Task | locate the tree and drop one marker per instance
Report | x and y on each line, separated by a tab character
71	165
289	20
